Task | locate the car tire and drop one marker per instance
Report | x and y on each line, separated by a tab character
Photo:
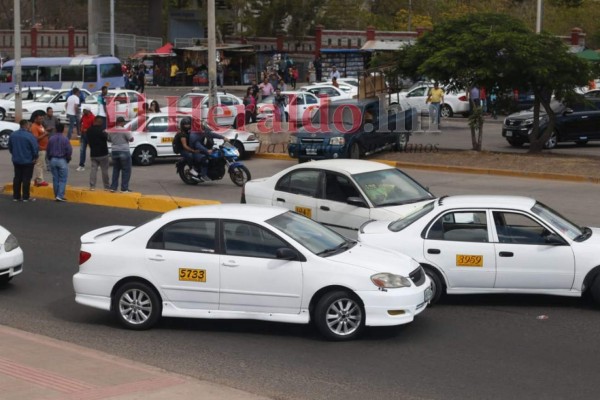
594	291
2	114
401	141
144	155
339	316
437	286
581	142
137	306
4	136
354	151
4	279
552	141
446	111
240	148
515	142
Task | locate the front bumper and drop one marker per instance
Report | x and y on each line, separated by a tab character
11	263
320	151
516	133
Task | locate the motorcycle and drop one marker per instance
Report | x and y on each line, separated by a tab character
224	158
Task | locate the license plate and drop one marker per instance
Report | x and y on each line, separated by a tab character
469	260
166	140
428	294
194	275
509	133
306	211
311	151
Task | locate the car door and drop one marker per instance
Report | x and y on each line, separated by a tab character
160	132
182	258
298	191
417	98
458	243
253	279
524	258
333	208
134	102
296	106
312	106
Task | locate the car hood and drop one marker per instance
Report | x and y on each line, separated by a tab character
374	228
106	234
323	130
376	260
395	212
523	115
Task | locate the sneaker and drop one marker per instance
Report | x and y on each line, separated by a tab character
92	188
205	178
193	172
31	199
197	179
61	199
15	200
113	190
126	191
80	168
107	189
42	183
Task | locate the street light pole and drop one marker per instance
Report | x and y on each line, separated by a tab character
112	28
212	54
17	69
538	22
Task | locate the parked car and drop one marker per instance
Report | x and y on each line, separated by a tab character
27	93
416	97
329	91
246	262
6	129
56	99
153	137
231	111
11	256
341	194
302	104
494	244
579	123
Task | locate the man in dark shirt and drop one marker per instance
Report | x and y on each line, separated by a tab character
59	152
24	149
97	140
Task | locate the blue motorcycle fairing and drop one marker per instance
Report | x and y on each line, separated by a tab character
235	164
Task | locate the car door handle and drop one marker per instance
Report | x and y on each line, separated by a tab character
281	200
153	137
230	264
156	258
506	254
434	251
584	117
324	208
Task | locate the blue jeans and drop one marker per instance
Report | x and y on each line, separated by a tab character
201	161
60	172
72	124
121	162
434	108
83	143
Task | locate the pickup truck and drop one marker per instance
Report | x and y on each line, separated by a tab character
351	129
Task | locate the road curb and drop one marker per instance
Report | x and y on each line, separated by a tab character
464	170
134	200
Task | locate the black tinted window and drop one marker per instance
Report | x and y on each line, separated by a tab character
248	240
72	73
304	182
339	188
463	226
90	73
190	235
110	70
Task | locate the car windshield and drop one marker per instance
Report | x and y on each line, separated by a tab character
47	97
559	222
268	100
413	216
190	101
310	234
93	98
348	118
390	187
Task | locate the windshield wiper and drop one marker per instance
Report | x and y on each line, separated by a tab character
587	232
342	246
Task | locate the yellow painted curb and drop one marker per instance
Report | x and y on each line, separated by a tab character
134	200
275	156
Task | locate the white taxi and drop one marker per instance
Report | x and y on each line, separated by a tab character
11	256
57	99
341	194
246	262
230	110
495	244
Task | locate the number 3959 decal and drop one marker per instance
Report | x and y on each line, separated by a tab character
469	260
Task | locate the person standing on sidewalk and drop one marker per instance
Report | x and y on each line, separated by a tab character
59	153
435	98
97	139
121	156
37	129
102	110
50	123
72	110
25	151
87	120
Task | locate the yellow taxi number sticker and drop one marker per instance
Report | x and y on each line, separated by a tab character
166	140
467	260
306	211
195	275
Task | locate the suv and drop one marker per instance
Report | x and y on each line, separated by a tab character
578	123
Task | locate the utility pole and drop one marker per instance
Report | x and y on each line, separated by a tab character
540	11
112	28
212	54
409	14
17	69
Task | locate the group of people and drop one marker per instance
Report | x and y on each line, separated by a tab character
134	77
255	93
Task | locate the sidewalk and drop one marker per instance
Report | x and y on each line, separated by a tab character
35	367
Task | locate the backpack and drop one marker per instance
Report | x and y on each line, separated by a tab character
177	145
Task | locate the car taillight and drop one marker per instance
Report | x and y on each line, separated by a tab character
463	98
84	256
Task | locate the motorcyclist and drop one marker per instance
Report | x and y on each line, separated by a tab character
203	142
187	152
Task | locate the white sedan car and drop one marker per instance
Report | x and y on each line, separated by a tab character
230	110
416	97
328	91
27	93
246	262
153	137
11	256
342	194
495	244
6	129
302	105
57	99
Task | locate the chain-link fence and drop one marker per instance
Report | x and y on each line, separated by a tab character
127	45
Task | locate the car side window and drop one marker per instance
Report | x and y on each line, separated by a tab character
339	188
300	99
311	99
460	226
249	240
196	236
159	124
133	97
227	101
303	182
519	229
419	92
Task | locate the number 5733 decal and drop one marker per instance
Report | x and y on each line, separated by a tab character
194	275
469	260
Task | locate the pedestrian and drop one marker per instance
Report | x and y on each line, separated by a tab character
249	106
334	73
102	109
280	102
24	150
294	77
474	98
50	122
141	78
220	74
282	85
173	74
334	82
483	99
87	120
266	89
38	131
318	68
154	107
98	141
121	156
435	98
59	153
72	110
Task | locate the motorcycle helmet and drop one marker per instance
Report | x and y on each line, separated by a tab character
186	124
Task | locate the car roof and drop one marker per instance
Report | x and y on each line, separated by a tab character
486	201
246	212
350	167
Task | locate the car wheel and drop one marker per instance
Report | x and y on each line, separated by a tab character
515	142
339	316
4	136
240	175
401	141
4	279
144	155
581	142
355	151
446	111
437	287
137	306
552	141
2	114
240	148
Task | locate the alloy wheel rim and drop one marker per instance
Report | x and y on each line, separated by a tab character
135	306
343	317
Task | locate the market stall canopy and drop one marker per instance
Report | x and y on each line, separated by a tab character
166	49
589	54
382	45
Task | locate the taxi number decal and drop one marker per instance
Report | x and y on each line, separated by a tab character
195	275
166	140
306	211
466	260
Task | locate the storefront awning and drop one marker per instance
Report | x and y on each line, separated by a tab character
381	45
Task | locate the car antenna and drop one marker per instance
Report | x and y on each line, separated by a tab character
169	194
441	199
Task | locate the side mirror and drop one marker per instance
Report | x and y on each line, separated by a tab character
356	201
285	253
554	240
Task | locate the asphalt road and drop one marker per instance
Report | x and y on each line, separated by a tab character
467	347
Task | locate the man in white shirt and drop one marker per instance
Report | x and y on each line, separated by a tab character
334	73
72	109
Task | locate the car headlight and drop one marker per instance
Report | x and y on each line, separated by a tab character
11	243
386	280
337	141
251	138
293	139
